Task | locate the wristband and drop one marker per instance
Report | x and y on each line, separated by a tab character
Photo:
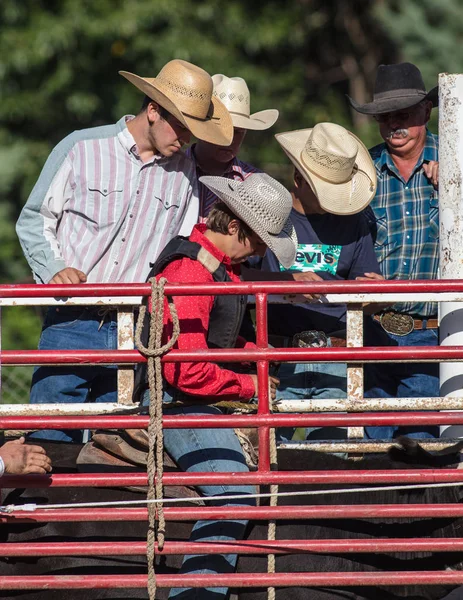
2	467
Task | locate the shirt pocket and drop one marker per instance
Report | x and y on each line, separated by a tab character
104	203
434	217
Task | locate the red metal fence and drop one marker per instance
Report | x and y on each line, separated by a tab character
264	420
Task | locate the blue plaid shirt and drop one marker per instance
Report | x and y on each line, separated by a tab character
404	222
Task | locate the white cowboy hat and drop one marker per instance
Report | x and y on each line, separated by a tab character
185	91
234	93
264	205
336	165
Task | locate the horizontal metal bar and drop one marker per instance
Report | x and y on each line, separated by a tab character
346	546
97	408
328	298
259	513
234	420
362	446
308	405
242	580
318	405
257	477
249	288
126	357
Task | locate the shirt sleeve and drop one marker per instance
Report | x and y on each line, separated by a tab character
364	259
200	379
38	222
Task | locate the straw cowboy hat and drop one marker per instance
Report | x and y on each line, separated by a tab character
335	164
185	91
264	205
397	87
234	93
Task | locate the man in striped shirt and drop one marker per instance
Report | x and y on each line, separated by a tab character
404	218
106	203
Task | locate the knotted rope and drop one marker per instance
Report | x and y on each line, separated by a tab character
153	352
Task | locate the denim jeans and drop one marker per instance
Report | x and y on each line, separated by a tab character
404	380
208	451
74	328
312	381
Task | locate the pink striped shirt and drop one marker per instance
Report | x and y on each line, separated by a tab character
99	208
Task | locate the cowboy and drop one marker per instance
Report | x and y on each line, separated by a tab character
212	159
106	203
18	458
250	216
404	219
334	180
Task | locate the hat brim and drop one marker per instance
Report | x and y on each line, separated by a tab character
258	121
385	105
283	245
216	129
337	198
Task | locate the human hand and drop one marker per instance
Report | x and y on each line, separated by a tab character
22	459
431	170
69	275
369	277
308	276
273	383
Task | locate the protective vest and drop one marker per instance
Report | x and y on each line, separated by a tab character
227	311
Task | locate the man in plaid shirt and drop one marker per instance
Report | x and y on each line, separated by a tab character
404	220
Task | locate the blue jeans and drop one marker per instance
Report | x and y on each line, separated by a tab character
404	380
74	328
208	451
312	381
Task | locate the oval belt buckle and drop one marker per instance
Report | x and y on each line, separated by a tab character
396	323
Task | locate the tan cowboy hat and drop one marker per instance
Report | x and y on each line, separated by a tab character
264	205
335	164
185	91
234	93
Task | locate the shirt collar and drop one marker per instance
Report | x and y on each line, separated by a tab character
197	235
128	142
430	152
232	168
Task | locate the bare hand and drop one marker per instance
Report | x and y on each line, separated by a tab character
431	170
273	384
21	459
69	275
369	277
308	276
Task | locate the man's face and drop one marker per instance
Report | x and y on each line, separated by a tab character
225	154
168	135
402	129
241	250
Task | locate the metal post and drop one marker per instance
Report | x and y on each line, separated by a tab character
451	229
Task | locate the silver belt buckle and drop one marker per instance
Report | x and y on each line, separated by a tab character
397	323
310	339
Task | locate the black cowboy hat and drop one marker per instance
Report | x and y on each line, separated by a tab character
397	87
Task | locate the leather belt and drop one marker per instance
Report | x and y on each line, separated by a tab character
297	341
402	324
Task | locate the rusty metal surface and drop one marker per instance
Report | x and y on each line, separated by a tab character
363	447
125	341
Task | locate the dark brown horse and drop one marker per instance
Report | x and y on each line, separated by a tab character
64	461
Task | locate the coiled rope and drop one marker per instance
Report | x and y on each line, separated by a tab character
153	353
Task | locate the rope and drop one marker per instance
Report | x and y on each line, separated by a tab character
153	352
272	524
10	508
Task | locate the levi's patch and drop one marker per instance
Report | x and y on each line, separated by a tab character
315	257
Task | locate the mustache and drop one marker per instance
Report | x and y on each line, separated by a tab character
398	133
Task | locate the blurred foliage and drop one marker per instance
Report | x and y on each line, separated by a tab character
60	61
